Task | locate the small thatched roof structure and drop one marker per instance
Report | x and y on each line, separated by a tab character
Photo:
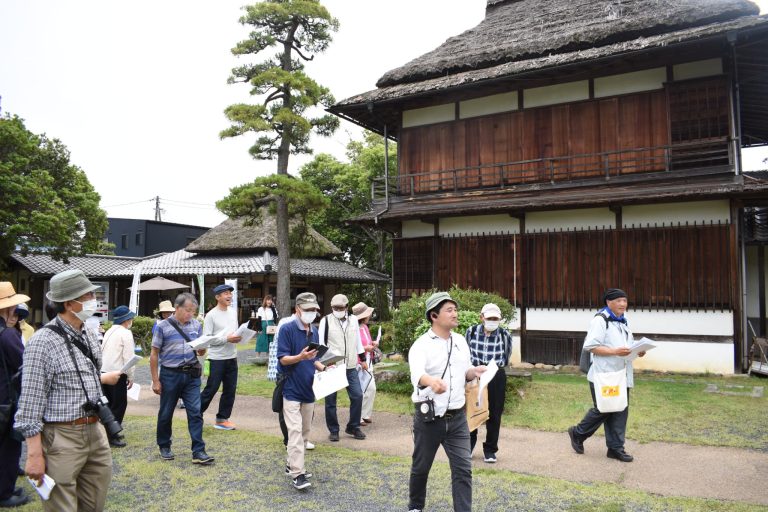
237	236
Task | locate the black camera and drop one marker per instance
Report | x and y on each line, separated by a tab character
105	415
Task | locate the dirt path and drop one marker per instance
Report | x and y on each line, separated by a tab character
667	469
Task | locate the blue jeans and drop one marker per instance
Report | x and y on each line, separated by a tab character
177	385
355	393
222	370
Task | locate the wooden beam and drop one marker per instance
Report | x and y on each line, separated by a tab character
761	288
617	212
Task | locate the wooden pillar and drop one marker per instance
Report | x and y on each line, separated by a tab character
739	336
761	288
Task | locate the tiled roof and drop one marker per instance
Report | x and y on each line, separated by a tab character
92	265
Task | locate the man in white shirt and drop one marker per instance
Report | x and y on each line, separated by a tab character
117	348
440	368
222	354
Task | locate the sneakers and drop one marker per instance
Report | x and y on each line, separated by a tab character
490	458
166	453
301	482
202	458
576	443
181	404
334	436
224	425
356	433
619	455
309	446
288	471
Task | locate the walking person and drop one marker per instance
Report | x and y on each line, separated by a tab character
340	331
11	355
222	355
363	314
267	319
440	367
608	340
488	341
117	348
297	361
176	374
58	414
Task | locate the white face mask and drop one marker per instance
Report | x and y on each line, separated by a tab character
89	309
308	317
340	314
491	325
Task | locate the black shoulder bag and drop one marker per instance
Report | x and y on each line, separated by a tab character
425	409
197	370
8	410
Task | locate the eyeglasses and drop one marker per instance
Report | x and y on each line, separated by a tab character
339	308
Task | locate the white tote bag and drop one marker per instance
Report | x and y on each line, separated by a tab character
611	390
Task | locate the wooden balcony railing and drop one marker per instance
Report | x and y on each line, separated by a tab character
608	165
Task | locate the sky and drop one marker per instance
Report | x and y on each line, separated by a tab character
136	90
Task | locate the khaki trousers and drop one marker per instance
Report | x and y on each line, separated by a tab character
298	419
369	395
79	460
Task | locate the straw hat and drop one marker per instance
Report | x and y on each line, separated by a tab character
9	297
165	307
361	310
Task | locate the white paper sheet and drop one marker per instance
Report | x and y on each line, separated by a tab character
485	378
365	378
205	341
45	488
331	380
134	391
642	345
130	364
245	333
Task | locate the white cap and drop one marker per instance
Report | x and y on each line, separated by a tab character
491	310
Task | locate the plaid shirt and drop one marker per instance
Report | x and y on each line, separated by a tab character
482	348
50	388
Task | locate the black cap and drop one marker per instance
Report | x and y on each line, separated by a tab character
613	294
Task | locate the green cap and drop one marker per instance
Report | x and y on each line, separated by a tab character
436	299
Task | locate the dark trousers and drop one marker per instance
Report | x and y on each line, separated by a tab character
614	423
453	434
497	392
222	370
10	451
355	393
118	397
177	385
283	427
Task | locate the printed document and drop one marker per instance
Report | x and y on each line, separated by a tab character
331	380
485	378
245	333
134	390
642	345
205	341
130	364
44	490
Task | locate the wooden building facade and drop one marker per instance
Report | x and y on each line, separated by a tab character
560	148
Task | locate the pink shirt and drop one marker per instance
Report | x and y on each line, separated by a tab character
365	335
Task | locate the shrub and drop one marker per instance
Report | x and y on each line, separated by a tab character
142	332
409	320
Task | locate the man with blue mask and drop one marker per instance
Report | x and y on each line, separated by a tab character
488	341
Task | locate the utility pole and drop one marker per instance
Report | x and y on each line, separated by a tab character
157	209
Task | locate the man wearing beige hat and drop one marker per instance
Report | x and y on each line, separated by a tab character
54	405
11	354
340	332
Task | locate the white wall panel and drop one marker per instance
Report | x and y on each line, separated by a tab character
598	218
429	115
674	213
477	224
677	356
416	228
554	94
697	69
504	102
626	83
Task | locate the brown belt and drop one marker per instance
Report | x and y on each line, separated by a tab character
85	420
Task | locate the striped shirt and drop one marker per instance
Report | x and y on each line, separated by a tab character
483	348
51	390
174	350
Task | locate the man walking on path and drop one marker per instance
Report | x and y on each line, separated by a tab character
178	376
440	368
222	355
298	365
490	342
341	332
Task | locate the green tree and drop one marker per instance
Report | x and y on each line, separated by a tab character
348	187
281	121
49	206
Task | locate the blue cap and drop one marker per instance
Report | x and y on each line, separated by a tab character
222	288
121	314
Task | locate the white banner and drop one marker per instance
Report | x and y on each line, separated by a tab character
133	305
233	284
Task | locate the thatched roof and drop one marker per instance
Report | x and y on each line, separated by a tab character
530	29
236	236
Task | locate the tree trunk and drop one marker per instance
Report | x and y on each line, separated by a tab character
283	260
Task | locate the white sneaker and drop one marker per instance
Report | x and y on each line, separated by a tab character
309	446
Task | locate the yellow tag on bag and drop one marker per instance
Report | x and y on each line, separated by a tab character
609	391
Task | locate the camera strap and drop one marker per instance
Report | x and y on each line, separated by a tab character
69	340
447	364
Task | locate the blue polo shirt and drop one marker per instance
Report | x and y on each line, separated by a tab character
174	350
292	340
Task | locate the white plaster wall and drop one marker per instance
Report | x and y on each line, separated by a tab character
494	104
477	224
416	228
674	213
516	356
626	83
680	356
429	115
558	93
597	218
697	69
753	284
680	322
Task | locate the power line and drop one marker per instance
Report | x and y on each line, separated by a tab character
128	204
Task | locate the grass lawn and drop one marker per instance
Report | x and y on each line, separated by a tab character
249	475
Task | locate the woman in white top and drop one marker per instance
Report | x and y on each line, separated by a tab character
267	319
117	348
